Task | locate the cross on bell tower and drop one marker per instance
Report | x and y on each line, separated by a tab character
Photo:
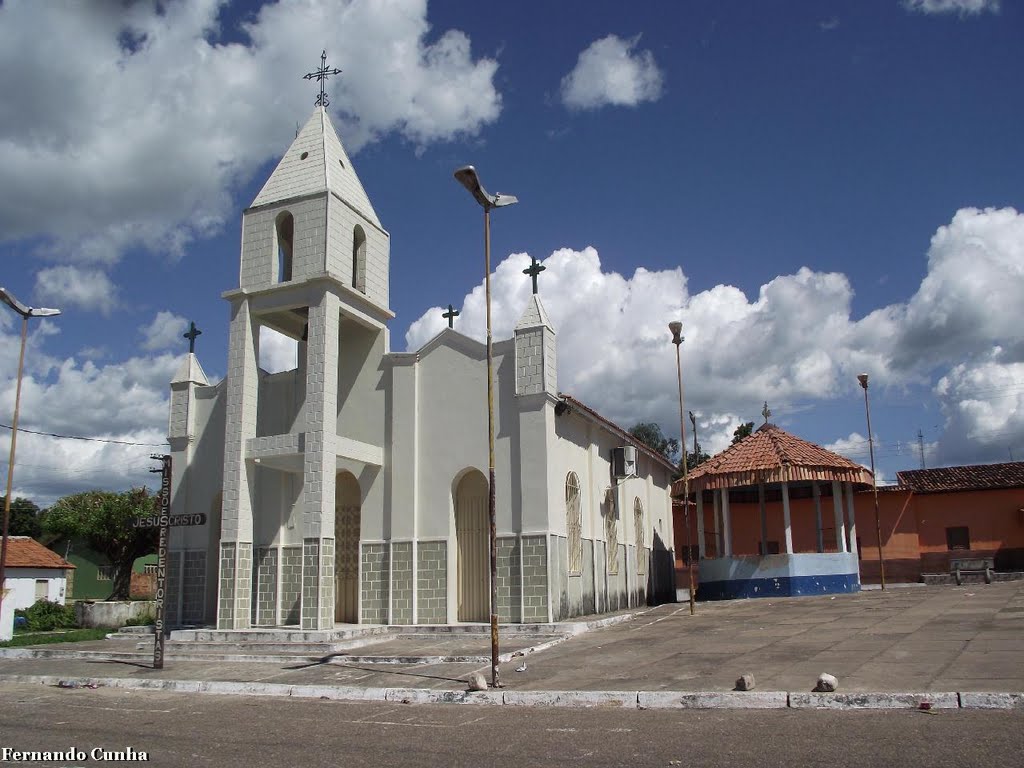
533	270
321	75
193	332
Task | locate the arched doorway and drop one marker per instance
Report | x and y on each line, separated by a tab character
347	502
471	533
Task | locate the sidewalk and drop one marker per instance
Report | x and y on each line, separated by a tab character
937	642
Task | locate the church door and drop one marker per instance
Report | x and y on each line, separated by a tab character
471	532
347	499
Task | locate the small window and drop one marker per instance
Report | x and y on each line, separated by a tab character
958	537
359	259
150	568
42	589
105	573
285	231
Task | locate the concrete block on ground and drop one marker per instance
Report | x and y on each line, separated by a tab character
826	683
571	699
873	700
992	700
712	700
745	682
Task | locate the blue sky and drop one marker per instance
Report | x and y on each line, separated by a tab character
815	188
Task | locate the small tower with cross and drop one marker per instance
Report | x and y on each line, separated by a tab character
536	366
190	374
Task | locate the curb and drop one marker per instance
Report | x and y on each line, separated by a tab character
641	700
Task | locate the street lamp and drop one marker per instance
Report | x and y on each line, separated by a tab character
468	178
26	313
677	329
863	379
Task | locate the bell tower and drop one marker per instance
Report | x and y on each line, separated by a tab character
314	267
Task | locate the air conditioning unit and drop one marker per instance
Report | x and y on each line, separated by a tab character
624	461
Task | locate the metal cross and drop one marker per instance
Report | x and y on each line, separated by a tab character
321	75
766	412
533	270
450	315
191	336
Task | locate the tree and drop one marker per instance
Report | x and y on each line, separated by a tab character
742	431
650	434
24	518
695	458
103	520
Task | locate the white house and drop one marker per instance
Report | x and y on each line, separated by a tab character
31	573
353	489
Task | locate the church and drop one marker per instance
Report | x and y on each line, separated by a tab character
353	489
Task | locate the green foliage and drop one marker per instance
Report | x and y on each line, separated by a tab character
24	518
103	520
44	616
650	434
143	620
70	636
742	431
695	458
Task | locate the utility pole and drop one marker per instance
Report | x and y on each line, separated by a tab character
920	445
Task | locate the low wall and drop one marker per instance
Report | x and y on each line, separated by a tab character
112	613
727	578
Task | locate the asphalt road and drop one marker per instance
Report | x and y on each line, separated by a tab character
191	730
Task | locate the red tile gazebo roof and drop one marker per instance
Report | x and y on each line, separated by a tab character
772	455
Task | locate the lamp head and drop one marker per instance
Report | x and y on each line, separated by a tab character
677	328
8	298
467	177
863	379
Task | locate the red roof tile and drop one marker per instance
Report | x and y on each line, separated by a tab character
26	552
974	477
771	455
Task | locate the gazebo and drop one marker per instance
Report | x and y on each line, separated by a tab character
745	485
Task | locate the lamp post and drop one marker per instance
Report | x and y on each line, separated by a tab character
677	328
863	379
468	178
26	313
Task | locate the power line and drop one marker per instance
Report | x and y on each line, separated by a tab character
89	439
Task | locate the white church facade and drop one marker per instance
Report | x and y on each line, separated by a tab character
353	488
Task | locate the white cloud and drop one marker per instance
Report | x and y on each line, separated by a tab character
277	351
70	286
611	72
164	332
963	7
137	133
796	341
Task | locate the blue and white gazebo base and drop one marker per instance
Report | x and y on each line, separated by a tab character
728	578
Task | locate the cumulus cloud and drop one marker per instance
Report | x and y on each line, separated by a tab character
277	351
611	72
962	7
165	331
797	340
186	118
71	286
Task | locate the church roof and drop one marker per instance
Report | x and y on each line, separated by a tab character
976	477
615	429
316	162
534	315
190	371
772	455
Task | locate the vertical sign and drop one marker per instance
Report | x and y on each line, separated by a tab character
161	568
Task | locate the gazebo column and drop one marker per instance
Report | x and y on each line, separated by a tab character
816	491
726	524
785	518
717	511
764	519
700	525
851	518
837	506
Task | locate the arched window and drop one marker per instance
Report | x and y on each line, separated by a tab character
638	525
611	535
574	524
359	259
285	231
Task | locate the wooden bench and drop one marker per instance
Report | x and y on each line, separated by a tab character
961	565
